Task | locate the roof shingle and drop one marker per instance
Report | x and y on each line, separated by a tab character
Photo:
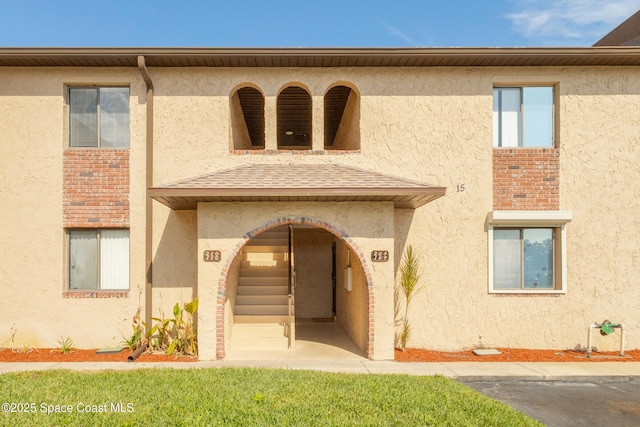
309	182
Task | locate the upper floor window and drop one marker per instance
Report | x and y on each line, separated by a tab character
99	117
341	119
294	119
247	112
523	116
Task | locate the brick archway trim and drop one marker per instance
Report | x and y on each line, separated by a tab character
222	284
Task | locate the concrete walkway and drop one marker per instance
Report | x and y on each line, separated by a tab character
457	370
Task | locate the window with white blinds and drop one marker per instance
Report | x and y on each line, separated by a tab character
99	259
523	258
99	117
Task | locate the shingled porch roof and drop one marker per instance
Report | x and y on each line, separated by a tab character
295	183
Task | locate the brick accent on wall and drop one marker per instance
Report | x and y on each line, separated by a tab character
98	293
96	188
526	179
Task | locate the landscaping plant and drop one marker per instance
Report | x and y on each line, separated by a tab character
25	349
409	287
173	335
66	345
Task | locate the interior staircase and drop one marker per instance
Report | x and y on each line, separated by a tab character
261	310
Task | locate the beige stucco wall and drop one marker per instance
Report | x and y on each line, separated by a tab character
352	306
174	261
599	171
240	139
433	125
32	238
348	134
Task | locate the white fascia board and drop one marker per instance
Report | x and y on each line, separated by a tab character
529	218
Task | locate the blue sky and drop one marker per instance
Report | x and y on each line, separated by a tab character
319	23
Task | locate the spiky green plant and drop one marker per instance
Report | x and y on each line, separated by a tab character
410	286
66	345
25	349
134	341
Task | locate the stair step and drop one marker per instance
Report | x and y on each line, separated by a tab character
263	287
239	318
264	272
272	263
261	299
274	330
259	342
262	309
264	256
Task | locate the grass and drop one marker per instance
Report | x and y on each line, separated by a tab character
248	397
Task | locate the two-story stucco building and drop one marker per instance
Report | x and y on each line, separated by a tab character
276	184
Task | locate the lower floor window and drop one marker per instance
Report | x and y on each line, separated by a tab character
523	258
99	259
527	251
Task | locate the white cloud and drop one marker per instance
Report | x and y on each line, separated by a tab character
570	21
396	32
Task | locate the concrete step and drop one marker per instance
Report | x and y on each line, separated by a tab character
263	286
265	256
259	342
264	272
275	330
264	264
239	318
262	309
252	332
261	299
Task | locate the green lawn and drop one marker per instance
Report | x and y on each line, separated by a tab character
245	397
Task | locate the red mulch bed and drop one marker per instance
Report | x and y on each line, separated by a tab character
411	355
516	355
54	355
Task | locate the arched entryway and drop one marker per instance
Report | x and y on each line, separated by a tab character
337	256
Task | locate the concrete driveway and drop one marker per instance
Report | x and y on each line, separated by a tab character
582	402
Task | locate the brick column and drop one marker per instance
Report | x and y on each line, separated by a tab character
96	188
526	179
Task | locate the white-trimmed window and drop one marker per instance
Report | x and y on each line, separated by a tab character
523	116
527	251
99	117
99	259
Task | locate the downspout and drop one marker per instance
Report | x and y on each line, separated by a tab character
142	66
